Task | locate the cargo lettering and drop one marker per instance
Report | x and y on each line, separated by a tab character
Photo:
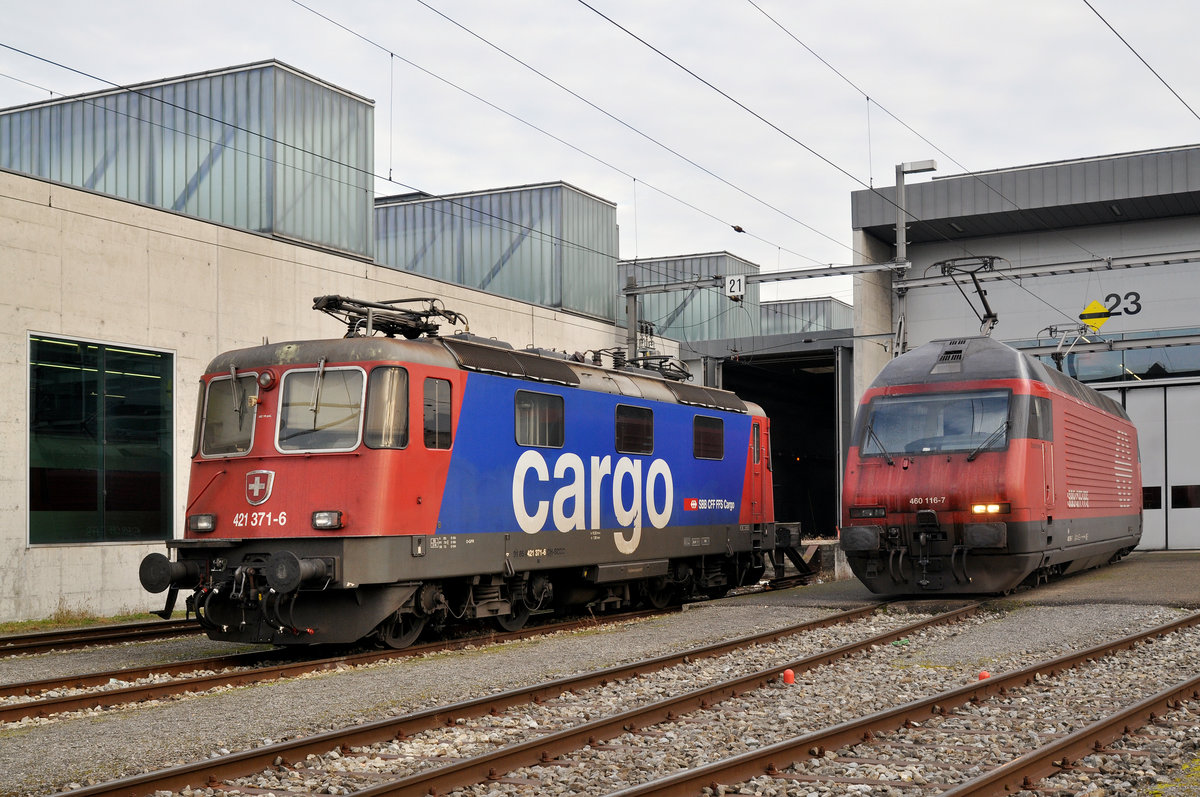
578	500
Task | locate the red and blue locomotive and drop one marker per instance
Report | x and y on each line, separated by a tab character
974	468
372	485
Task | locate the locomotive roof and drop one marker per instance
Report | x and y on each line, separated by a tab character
483	356
979	358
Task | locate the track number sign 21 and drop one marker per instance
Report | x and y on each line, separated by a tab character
735	286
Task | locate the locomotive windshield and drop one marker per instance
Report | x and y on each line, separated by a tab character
966	422
228	420
321	409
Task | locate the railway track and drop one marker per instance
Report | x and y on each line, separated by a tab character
543	739
517	701
43	641
50	696
42	698
1013	756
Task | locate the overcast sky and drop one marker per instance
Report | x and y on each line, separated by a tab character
774	117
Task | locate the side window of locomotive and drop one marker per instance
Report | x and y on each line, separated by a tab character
228	416
708	437
387	408
199	426
634	430
320	409
437	413
539	419
1040	425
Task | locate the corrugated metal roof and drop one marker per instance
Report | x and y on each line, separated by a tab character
1113	189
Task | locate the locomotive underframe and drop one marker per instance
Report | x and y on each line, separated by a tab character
339	590
925	553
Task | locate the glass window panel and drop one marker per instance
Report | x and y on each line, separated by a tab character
387	408
539	419
437	413
321	409
1152	498
938	423
708	437
100	443
229	414
1185	496
634	430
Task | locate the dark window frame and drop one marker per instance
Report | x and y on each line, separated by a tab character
436	435
702	438
248	389
542	410
633	429
101	417
327	403
396	403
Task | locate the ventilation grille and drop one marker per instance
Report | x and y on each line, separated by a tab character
951	357
476	357
706	397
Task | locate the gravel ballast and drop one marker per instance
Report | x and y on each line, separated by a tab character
41	757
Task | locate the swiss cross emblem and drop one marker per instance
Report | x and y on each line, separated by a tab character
258	486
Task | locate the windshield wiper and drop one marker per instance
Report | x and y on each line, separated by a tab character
237	396
878	442
316	402
990	439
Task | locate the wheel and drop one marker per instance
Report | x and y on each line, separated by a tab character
514	620
659	593
403	631
717	592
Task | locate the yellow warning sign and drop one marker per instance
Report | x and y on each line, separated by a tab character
1094	315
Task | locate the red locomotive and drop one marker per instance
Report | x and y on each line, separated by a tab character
373	485
974	468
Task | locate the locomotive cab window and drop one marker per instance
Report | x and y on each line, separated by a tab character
970	421
539	419
634	430
387	408
708	437
226	425
320	409
437	413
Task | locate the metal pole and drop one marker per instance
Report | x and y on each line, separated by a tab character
631	319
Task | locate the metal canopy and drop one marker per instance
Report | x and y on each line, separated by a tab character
1135	186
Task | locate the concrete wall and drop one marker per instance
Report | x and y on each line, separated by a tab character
83	265
873	312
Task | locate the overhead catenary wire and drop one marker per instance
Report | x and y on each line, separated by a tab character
518	118
638	131
1145	63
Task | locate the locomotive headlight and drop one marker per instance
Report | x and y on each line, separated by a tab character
266	380
327	520
867	511
991	509
202	522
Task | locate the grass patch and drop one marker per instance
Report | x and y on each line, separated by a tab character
71	618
